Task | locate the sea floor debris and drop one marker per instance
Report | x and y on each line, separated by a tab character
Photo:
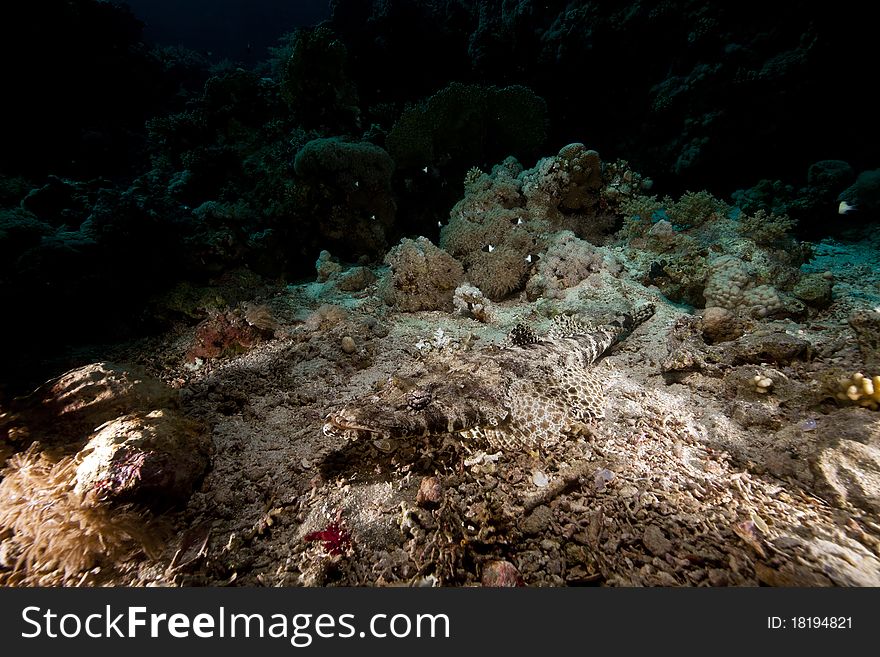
696	479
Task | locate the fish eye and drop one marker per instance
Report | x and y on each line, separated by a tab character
418	399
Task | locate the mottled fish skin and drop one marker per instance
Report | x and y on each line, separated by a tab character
532	392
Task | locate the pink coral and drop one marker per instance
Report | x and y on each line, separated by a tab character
335	537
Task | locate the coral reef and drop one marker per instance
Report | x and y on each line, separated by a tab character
501	225
467	123
315	83
422	413
421	276
470	302
567	262
348	185
701	252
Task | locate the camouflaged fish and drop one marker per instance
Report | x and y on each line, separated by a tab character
531	392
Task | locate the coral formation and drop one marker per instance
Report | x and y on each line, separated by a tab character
468	123
861	390
700	251
568	181
315	82
155	459
60	536
491	234
470	302
765	229
421	276
348	185
501	225
567	262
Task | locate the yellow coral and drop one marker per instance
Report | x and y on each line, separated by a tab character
860	389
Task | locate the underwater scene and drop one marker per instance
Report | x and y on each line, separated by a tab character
443	293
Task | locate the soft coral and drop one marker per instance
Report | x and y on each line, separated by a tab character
335	536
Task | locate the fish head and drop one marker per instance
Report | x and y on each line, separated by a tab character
429	403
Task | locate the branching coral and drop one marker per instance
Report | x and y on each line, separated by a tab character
765	228
692	209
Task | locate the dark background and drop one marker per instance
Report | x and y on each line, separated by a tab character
225	28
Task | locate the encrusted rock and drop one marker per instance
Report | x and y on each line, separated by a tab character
326	266
866	324
153	458
814	290
850	472
70	406
537	521
430	493
780	348
720	325
356	279
501	574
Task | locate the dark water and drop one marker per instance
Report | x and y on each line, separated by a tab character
159	148
239	30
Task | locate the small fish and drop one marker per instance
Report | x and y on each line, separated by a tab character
373	217
529	258
357	183
488	248
519	222
845	207
439	224
425	170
